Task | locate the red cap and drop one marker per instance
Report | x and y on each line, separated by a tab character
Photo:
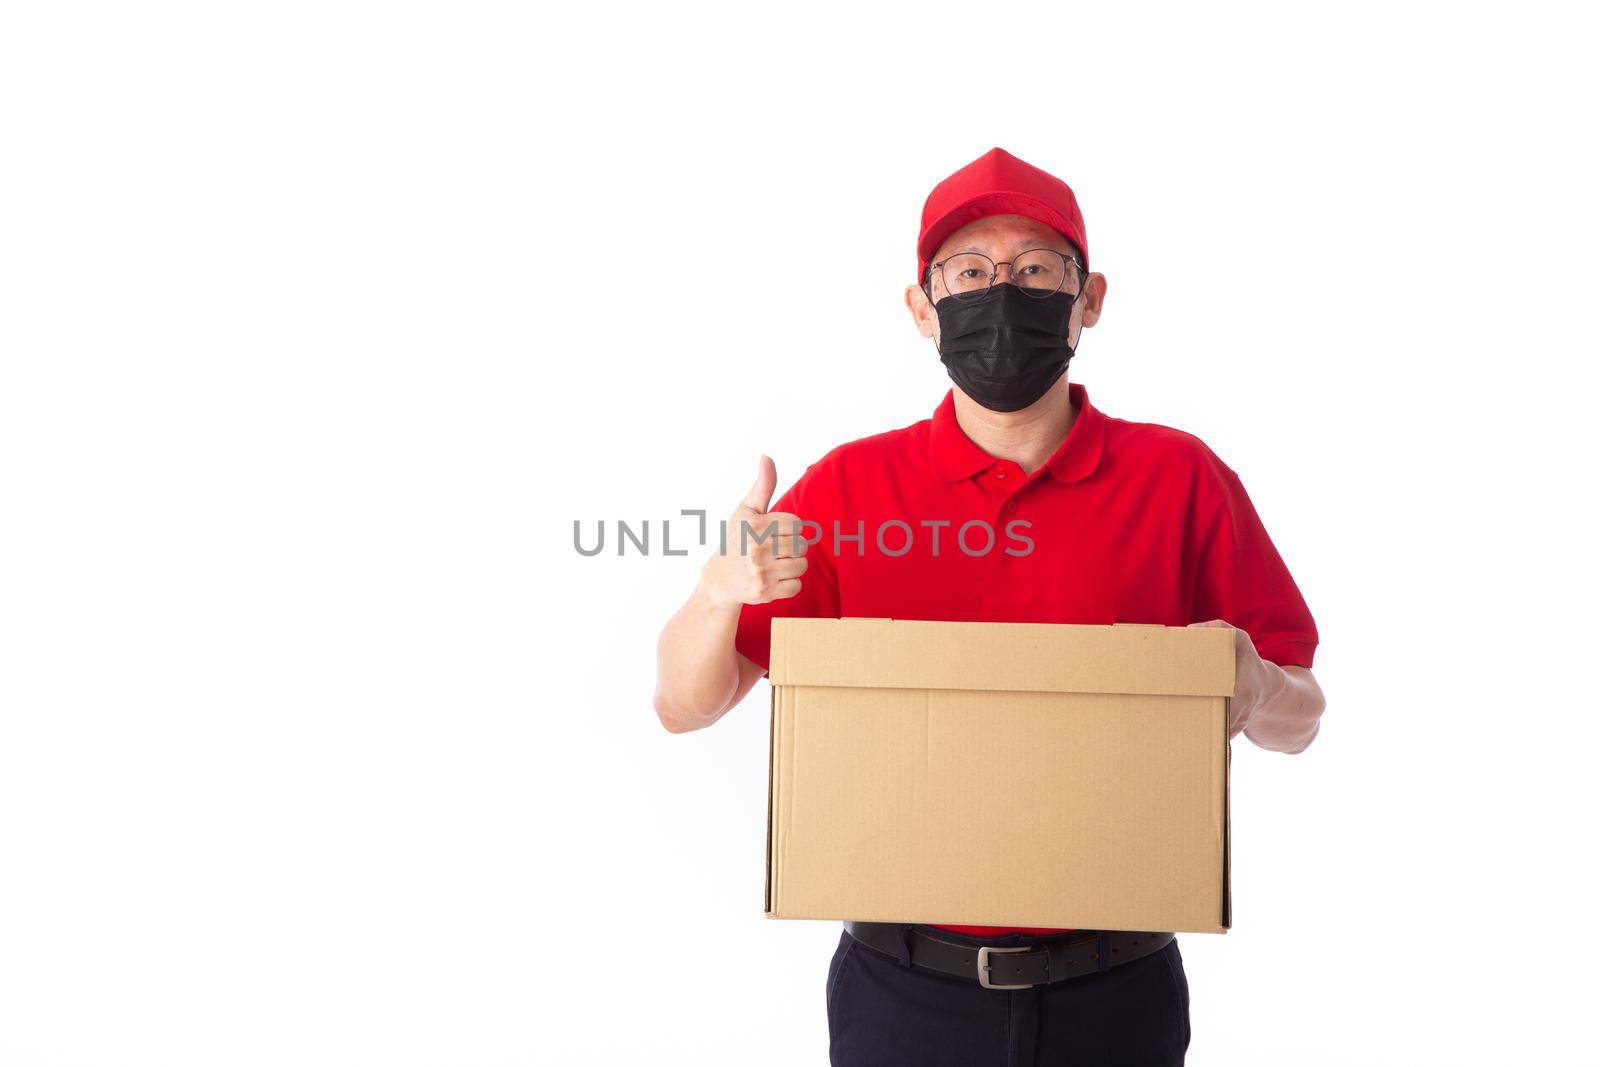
998	183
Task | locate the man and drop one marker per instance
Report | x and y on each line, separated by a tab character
1127	522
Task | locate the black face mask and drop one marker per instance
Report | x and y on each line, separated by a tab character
1005	349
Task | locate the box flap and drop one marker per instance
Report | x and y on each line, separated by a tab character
1012	657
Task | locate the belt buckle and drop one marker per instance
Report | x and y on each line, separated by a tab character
984	952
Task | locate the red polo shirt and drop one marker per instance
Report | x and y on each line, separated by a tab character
1126	522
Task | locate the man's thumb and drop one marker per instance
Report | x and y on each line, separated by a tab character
760	495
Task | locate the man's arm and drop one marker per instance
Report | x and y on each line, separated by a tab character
1279	708
1287	719
700	675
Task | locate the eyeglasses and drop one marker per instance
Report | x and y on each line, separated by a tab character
1038	272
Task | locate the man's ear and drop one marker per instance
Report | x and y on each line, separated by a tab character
921	309
1094	298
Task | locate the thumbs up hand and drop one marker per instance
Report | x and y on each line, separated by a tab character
764	554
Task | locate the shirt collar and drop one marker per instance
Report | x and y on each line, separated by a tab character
954	455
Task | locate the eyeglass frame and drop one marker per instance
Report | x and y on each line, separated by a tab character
995	272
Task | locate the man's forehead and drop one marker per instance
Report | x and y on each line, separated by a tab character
1003	229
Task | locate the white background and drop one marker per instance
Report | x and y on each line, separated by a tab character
321	323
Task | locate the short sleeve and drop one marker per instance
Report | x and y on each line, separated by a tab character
1241	579
819	586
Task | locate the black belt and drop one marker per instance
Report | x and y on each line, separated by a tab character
1045	958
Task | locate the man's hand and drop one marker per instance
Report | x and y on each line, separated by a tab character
1254	680
1279	708
764	554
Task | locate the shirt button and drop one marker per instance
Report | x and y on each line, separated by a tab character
1011	505
1000	472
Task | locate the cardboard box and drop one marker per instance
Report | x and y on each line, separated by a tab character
1006	774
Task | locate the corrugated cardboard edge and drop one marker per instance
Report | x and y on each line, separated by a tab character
1227	819
772	762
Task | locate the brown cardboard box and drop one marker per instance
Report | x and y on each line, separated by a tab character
1008	774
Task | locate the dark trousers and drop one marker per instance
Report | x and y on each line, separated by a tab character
884	1014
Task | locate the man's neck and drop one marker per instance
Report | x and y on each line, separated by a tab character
1027	437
